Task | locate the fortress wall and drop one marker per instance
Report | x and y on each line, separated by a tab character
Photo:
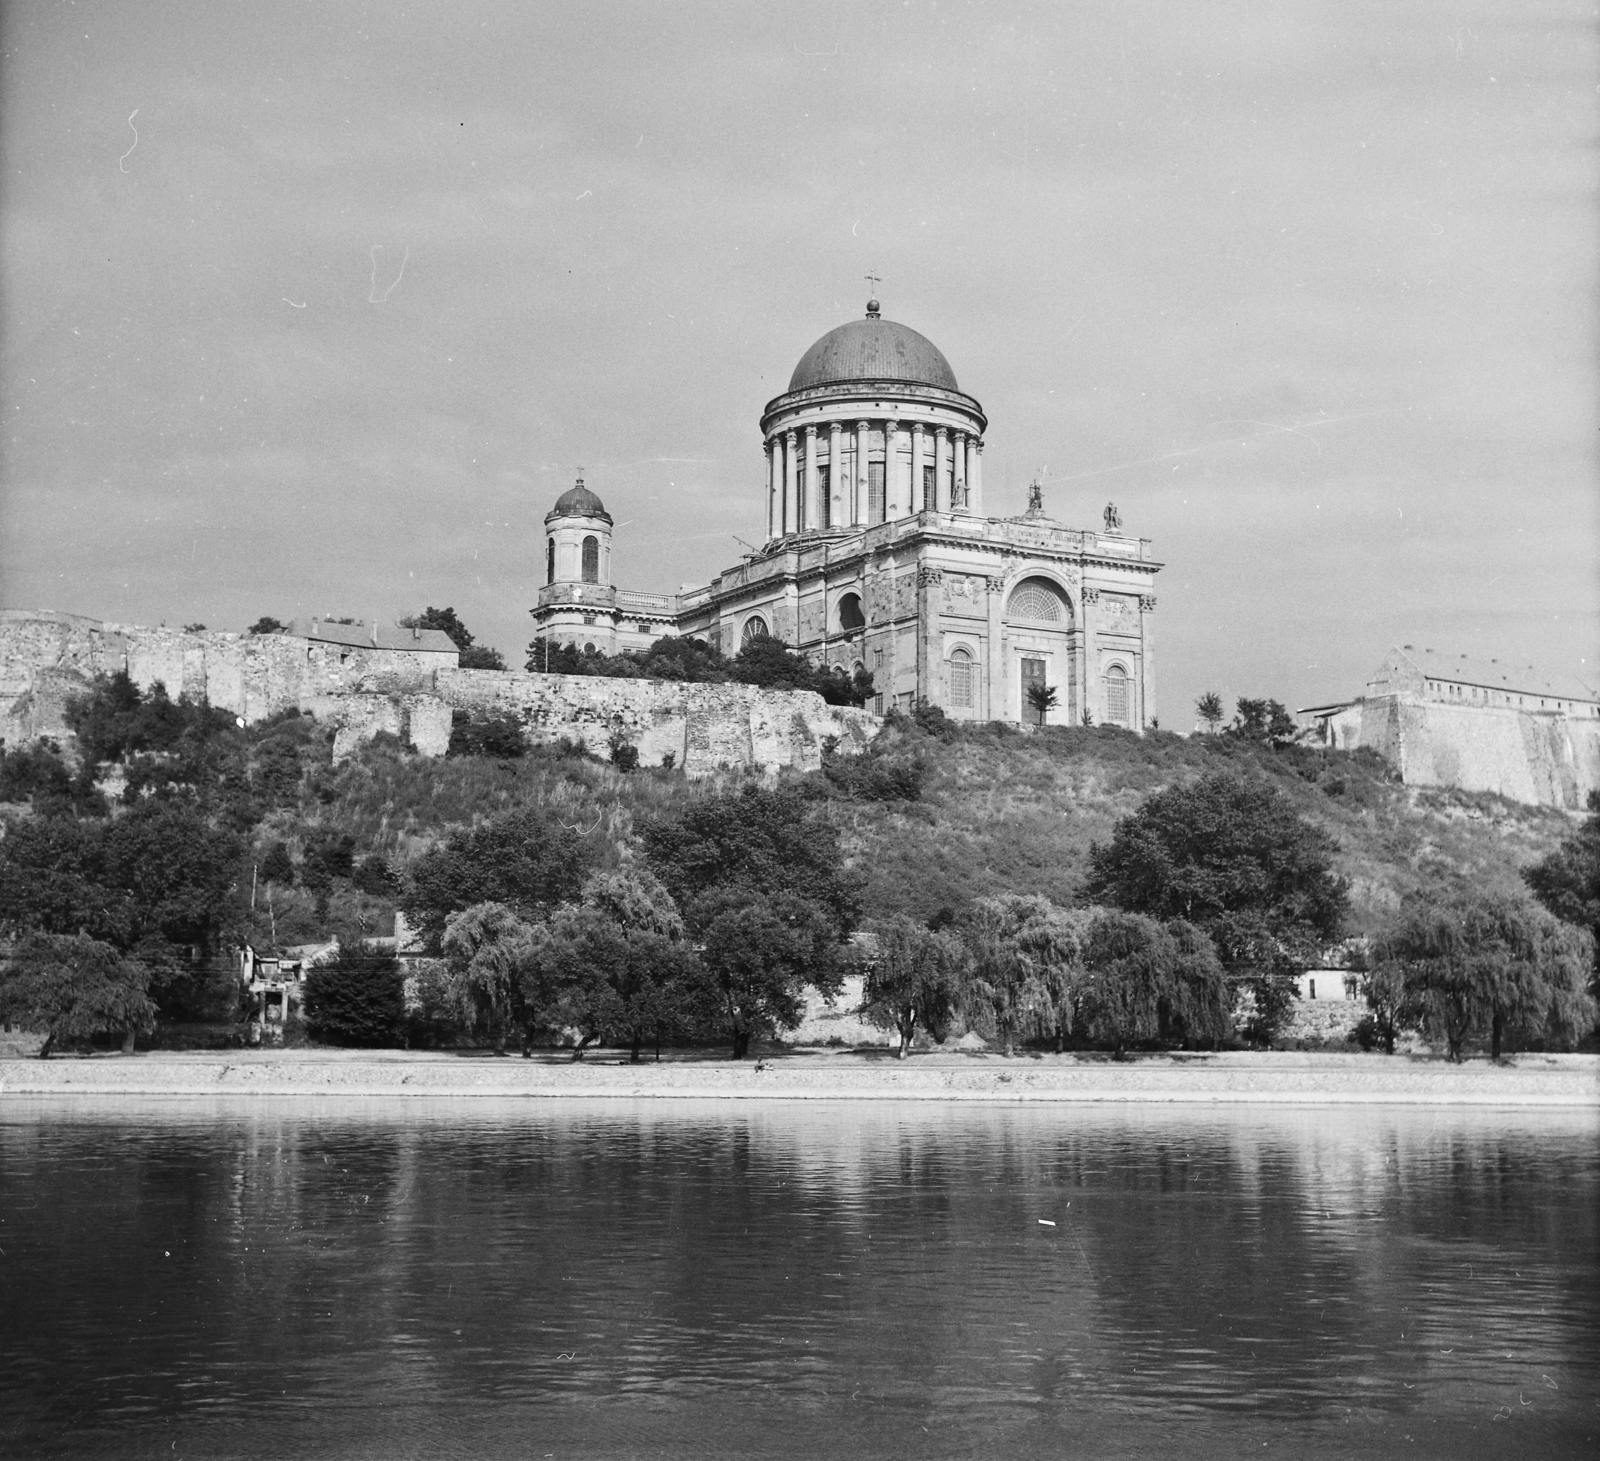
47	657
703	727
1541	759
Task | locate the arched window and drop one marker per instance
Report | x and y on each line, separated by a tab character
850	615
1039	601
550	560
755	627
1117	695
591	559
961	667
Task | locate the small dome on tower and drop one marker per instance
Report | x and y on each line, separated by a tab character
578	501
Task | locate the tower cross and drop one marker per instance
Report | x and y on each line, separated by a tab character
874	280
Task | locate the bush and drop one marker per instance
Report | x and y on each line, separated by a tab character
497	733
357	998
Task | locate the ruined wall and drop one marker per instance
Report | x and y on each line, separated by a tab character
1543	759
45	657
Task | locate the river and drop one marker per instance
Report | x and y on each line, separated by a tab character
285	1277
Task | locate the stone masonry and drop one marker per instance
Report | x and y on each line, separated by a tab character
46	657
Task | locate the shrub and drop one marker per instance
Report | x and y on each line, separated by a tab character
498	734
357	998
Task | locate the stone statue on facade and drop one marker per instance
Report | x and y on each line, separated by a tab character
1113	518
1035	499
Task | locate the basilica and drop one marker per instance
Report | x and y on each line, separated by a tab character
879	555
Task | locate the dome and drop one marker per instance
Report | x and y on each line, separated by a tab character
873	349
578	501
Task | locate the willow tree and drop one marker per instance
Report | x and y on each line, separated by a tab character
1020	964
490	950
72	987
1488	968
912	980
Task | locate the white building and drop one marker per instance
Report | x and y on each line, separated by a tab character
879	555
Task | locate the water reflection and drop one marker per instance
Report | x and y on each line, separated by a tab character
416	1278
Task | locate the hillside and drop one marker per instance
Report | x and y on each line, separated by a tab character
1007	811
999	810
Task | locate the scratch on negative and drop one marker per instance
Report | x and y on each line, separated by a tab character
129	153
373	297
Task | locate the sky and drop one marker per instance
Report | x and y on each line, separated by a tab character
316	308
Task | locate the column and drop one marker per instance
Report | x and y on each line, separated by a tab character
892	494
1147	667
975	474
941	468
773	509
1092	702
995	657
858	483
791	480
811	515
958	468
917	504
836	480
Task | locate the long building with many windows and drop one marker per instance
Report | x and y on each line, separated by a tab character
879	555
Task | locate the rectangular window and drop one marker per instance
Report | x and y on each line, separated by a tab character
929	502
874	492
824	500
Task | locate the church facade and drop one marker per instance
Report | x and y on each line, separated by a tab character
879	555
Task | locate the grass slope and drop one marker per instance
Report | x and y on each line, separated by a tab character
1001	811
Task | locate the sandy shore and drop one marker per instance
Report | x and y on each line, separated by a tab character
1275	1078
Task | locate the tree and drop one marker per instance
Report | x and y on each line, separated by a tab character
618	967
518	858
913	979
357	997
276	866
760	951
1233	858
160	870
1390	1010
1488	967
73	987
178	871
1042	699
1021	957
491	953
1129	962
1209	707
266	624
757	874
114	719
498	734
756	839
470	656
768	662
1567	881
1264	722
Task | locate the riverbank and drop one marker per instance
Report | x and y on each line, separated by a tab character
1278	1078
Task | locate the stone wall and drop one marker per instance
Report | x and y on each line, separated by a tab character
1540	758
46	657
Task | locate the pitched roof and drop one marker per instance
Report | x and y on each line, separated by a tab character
1494	674
370	634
